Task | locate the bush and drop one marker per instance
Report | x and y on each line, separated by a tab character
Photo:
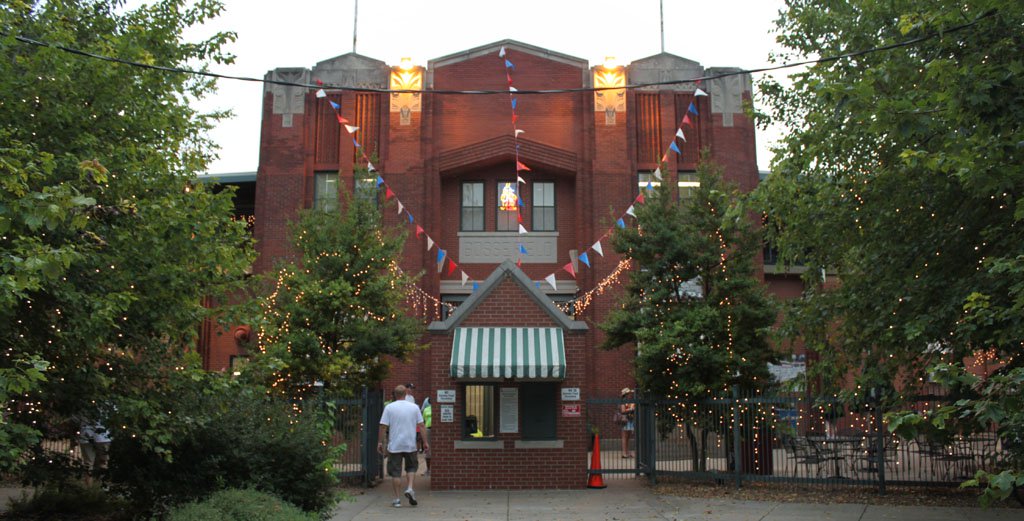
67	501
225	436
240	505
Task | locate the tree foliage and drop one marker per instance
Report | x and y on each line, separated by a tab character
107	247
337	310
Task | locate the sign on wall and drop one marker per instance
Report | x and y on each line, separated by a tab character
447	413
509	410
570	394
446	396
572	410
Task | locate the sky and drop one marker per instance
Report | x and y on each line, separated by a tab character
300	33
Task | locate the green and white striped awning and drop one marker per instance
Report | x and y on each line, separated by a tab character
508	352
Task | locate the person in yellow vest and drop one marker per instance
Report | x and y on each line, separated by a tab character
427	410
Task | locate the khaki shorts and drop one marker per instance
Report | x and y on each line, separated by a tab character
395	459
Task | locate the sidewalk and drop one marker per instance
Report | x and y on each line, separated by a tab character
628	500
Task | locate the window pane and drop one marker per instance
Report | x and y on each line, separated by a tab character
473	207
479	418
643	178
325	191
688	185
544	219
473	219
508	206
366	189
544	194
544	206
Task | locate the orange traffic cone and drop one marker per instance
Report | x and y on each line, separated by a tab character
596	480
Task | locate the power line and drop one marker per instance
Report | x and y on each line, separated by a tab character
790	65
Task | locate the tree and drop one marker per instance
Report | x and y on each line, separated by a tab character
108	247
694	306
337	310
902	171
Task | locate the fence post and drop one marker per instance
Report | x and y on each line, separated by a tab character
736	463
879	442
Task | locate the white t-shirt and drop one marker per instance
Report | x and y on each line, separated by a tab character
401	418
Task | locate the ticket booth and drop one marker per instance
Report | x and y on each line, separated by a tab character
507	368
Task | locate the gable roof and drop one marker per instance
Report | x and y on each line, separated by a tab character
507	270
492	48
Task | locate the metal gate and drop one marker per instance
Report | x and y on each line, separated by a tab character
355	425
621	457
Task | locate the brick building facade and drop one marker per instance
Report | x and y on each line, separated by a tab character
442	153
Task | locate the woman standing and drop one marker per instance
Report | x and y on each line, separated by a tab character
627	407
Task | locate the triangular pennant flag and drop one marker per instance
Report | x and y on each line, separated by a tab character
440	255
410	217
508	78
334	105
380	181
522	249
620	223
515	117
597	247
675	148
509	65
430	243
355	143
518	131
370	167
451	266
419	230
519	217
679	134
568	267
520	166
522	229
584	259
350	129
537	284
640	198
664	158
693	109
519	263
321	94
650	186
512	89
501	53
464	278
400	207
341	119
476	286
686	120
318	81
514	103
699	92
629	211
388	194
520	180
657	174
551	280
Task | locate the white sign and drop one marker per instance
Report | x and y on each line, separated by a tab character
446	396
447	413
789	369
509	409
570	394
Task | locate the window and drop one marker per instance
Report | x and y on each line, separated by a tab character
472	207
645	178
481	411
538	419
508	206
366	189
544	206
325	191
688	185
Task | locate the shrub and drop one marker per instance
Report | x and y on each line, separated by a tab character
240	505
69	500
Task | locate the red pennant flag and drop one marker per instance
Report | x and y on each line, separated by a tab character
519	217
664	158
515	117
519	263
419	230
640	198
318	82
686	120
342	120
509	76
451	266
568	267
388	194
520	166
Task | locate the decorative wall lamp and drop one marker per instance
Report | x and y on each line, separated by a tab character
406	77
612	101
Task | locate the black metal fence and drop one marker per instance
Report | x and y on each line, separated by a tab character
782	438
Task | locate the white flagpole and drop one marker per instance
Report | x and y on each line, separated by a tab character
661	10
355	26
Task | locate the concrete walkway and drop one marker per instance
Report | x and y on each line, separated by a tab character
628	500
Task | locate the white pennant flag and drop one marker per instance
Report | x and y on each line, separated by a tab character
400	207
369	166
464	278
351	129
630	211
321	94
699	92
551	280
679	134
512	89
597	247
501	53
657	174
522	230
430	243
520	180
519	131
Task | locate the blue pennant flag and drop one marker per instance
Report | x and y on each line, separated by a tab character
522	249
476	286
620	223
334	105
693	109
509	65
410	217
380	180
675	148
650	185
584	259
537	284
440	255
356	143
514	101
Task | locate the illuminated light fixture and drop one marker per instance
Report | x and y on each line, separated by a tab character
508	201
611	101
406	77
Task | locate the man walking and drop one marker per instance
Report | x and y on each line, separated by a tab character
401	419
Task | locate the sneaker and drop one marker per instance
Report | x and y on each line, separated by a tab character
411	496
397	503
